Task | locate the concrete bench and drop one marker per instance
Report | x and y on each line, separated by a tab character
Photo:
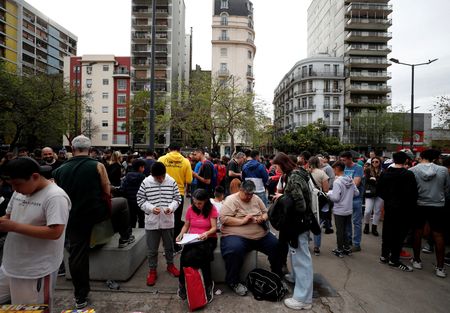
110	262
218	270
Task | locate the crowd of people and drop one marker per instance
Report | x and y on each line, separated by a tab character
54	200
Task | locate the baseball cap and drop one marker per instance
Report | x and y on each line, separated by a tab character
23	168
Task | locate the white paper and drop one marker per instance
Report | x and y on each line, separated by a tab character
188	238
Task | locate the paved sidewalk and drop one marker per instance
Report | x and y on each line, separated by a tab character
358	283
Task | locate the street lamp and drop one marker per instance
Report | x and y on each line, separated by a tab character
411	143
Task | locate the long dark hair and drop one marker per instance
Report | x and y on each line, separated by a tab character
284	162
202	195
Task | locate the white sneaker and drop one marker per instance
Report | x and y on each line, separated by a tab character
297	305
417	264
440	272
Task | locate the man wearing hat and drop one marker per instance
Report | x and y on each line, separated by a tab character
36	219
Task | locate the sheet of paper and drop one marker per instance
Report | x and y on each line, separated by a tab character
188	238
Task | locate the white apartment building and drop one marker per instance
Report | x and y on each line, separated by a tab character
313	89
233	51
170	54
102	87
357	32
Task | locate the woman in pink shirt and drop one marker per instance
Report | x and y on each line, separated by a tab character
201	219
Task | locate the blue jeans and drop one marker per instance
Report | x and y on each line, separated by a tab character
357	224
263	197
234	249
302	269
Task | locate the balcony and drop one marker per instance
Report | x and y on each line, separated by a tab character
329	107
370	76
123	72
353	88
141	12
357	8
368	23
332	90
223	73
250	40
250	74
162	12
310	107
161	36
308	91
224	38
368	62
358	102
332	123
369	50
358	36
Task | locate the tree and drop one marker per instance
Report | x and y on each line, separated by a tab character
232	110
313	138
139	117
442	111
35	110
378	128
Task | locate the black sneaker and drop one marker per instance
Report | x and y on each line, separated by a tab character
61	271
81	303
338	253
329	231
125	242
384	260
210	293
347	251
401	266
181	292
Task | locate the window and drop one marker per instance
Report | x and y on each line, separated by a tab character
326	85
105	81
223	66
76	82
326	102
105	68
105	109
121	98
336	69
121	126
121	84
224	4
104	137
327	68
223	52
121	112
224	34
104	123
249	53
336	101
105	95
304	102
310	102
89	69
223	19
76	69
335	85
89	83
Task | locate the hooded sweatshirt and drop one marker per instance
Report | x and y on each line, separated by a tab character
153	194
256	172
342	195
398	188
178	167
432	181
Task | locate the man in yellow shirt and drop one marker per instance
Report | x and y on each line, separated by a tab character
179	168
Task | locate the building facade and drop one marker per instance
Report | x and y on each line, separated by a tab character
30	42
170	63
313	89
233	52
358	32
102	87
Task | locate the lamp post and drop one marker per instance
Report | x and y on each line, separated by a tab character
411	143
151	145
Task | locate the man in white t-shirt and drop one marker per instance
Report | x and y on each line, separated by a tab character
35	220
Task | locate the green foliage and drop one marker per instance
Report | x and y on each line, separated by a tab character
312	138
35	110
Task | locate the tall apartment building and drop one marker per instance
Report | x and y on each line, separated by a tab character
358	32
233	50
169	56
30	42
313	89
233	46
102	83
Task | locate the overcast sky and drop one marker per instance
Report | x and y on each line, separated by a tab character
420	32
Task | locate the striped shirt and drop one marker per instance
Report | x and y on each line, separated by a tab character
153	194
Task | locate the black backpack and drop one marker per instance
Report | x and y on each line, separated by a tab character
265	285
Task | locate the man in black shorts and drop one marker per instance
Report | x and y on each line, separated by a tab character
432	183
